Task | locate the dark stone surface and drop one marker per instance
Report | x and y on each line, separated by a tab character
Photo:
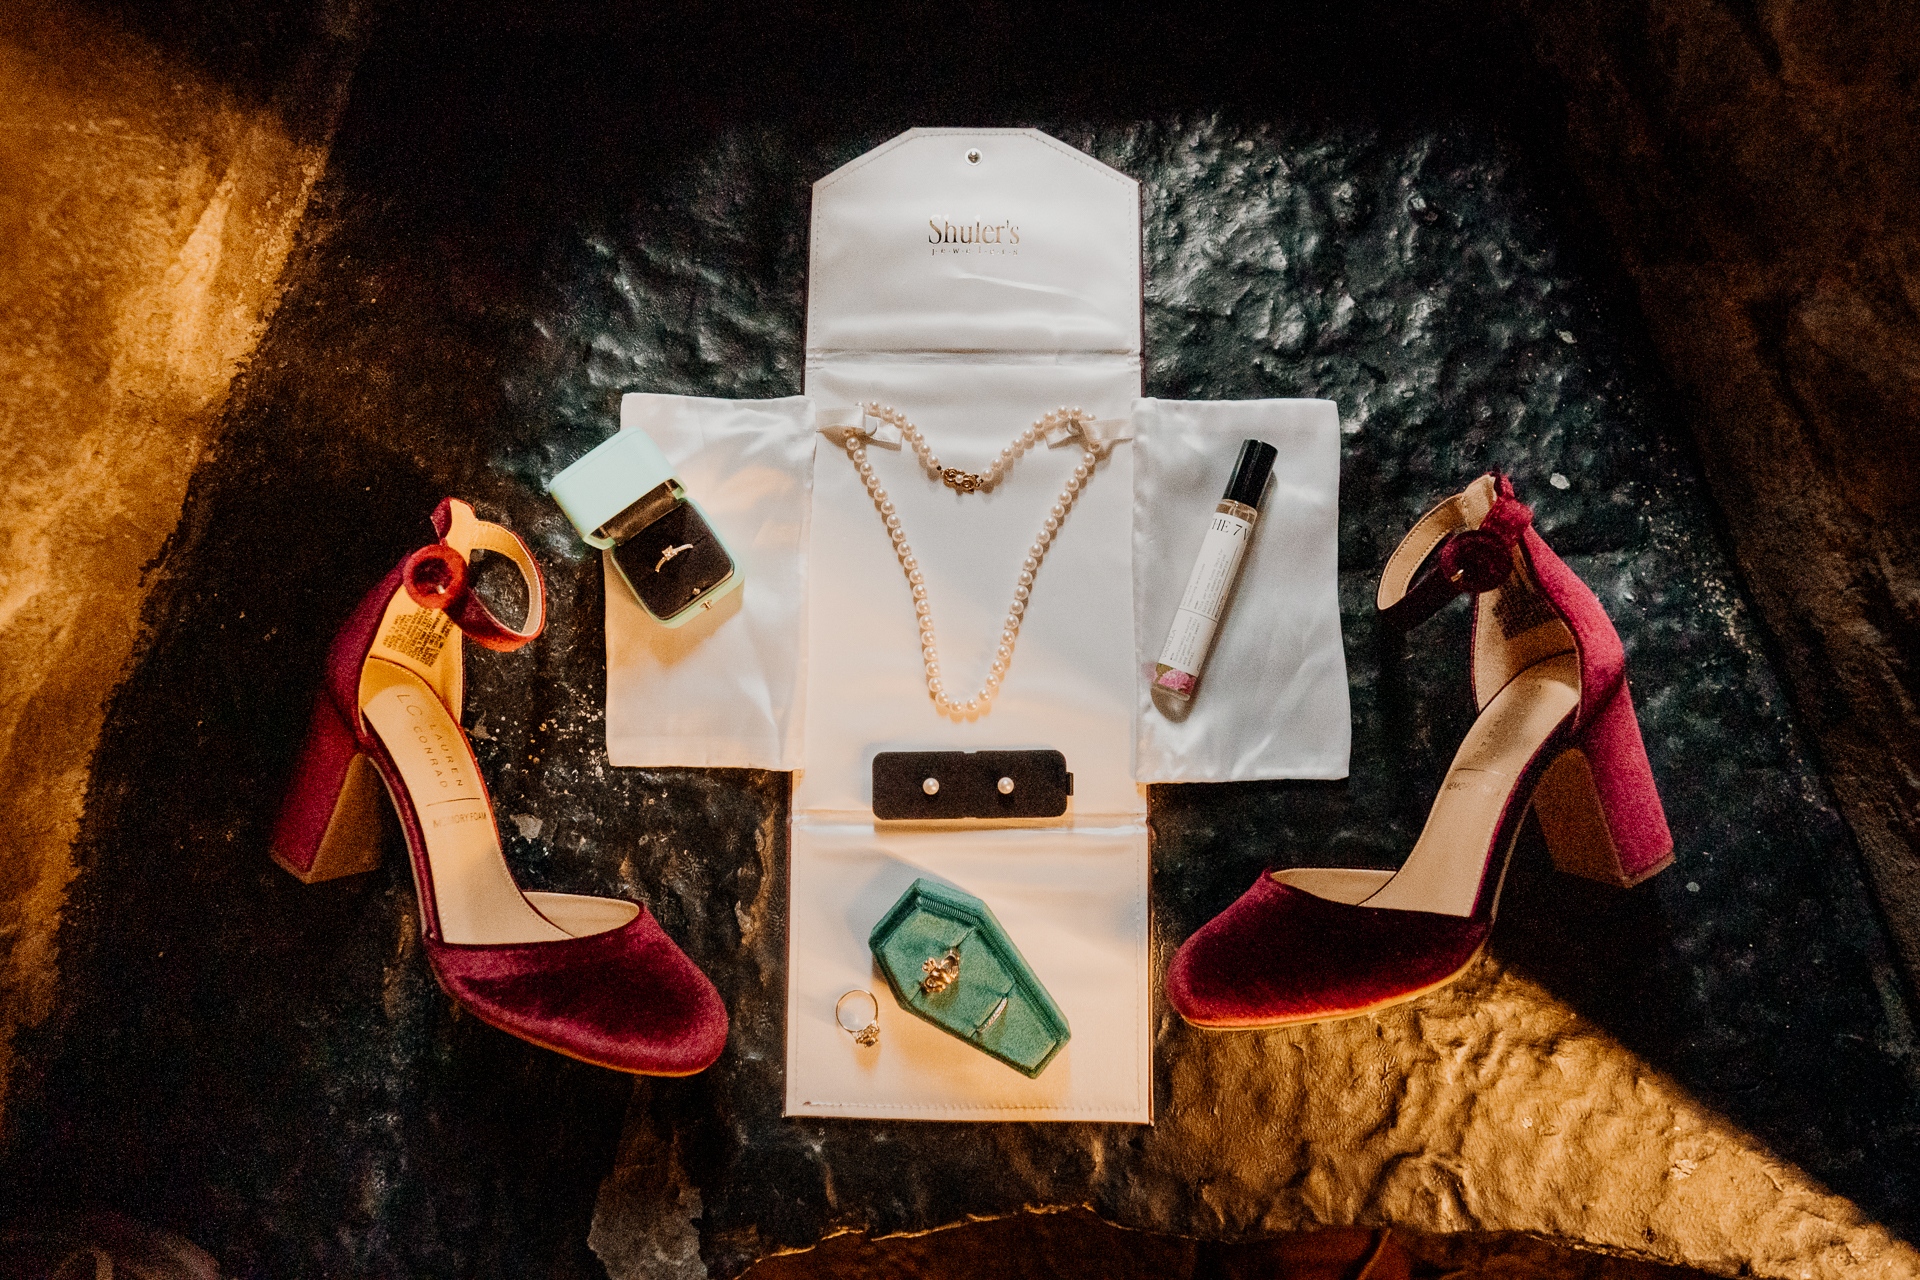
526	220
1756	165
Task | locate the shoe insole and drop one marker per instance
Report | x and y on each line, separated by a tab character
424	642
475	900
1335	884
1444	871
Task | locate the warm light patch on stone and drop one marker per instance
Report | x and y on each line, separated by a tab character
1491	1106
144	221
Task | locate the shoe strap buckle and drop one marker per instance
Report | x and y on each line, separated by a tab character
1449	552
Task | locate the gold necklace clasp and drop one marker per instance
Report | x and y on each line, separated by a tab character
961	481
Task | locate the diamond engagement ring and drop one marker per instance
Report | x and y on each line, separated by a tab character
669	554
866	1028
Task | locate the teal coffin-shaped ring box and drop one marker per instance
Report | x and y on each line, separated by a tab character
949	961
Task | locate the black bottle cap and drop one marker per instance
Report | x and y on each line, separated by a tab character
1249	478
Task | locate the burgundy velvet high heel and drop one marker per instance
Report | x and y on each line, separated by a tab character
593	978
1556	731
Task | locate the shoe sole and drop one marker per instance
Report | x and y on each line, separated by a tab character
1344	1014
565	1053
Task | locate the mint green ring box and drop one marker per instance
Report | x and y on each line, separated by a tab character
992	1000
623	498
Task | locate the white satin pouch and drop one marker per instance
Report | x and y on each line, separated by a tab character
723	689
1272	701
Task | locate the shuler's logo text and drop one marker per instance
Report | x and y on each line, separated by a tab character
944	236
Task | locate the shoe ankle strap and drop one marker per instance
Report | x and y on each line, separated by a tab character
436	576
1473	532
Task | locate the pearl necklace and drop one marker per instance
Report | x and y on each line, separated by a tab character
968	482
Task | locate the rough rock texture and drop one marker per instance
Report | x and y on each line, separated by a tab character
523	218
145	213
1406	273
1074	1243
1756	165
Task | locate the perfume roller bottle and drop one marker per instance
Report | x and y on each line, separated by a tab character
1210	586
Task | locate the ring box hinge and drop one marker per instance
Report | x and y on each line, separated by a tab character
648	509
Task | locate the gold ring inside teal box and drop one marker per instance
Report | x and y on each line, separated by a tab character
623	498
949	961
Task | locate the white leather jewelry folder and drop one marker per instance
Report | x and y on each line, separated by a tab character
974	280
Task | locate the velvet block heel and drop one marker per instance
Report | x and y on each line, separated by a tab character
1556	732
593	978
1597	805
330	824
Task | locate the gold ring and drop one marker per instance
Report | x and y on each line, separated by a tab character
868	1034
941	972
669	554
994	1016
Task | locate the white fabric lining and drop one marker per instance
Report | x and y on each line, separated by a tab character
973	344
1073	902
